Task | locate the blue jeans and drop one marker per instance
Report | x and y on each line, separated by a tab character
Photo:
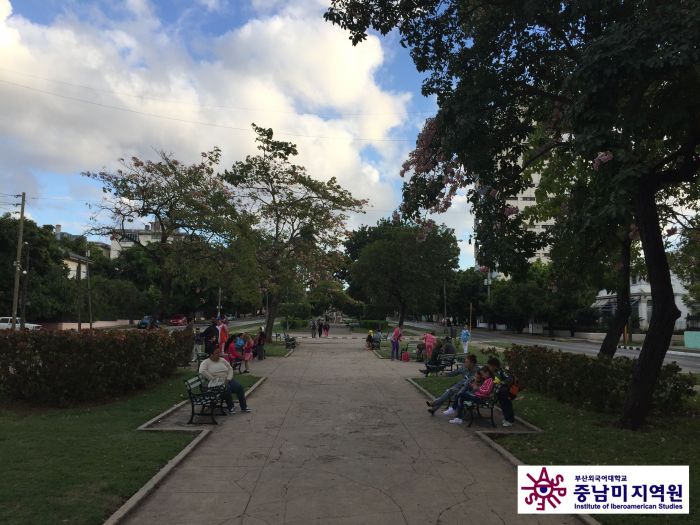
234	386
395	350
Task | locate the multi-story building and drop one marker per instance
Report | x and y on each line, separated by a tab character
641	303
128	238
525	199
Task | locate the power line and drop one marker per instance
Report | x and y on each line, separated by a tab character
186	121
203	106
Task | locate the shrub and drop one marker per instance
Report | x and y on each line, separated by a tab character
598	384
294	323
61	368
372	324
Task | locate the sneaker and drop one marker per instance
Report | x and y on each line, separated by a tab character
507	423
246	410
456	421
232	410
246	371
449	412
432	411
430	405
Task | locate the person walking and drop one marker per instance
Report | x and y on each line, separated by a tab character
429	340
465	336
396	337
319	326
312	325
223	333
326	328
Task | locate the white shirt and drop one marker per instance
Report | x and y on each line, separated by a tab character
218	371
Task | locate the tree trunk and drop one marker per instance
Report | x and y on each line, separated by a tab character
402	313
622	315
166	286
664	312
273	303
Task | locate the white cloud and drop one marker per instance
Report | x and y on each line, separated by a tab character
286	68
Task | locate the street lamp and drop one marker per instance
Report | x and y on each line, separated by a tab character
25	284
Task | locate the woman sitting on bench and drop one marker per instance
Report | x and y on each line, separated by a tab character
485	378
218	372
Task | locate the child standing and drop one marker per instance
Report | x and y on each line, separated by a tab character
247	352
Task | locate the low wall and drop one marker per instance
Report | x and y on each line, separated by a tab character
676	340
85	325
692	339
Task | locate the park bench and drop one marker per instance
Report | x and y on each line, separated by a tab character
444	362
289	342
487	403
206	398
376	343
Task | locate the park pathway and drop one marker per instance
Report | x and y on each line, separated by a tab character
338	437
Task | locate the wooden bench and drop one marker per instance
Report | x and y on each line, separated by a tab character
206	398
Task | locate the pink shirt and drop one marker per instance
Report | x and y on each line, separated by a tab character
485	389
396	336
429	340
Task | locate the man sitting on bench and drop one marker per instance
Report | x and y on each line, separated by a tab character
468	371
218	372
442	348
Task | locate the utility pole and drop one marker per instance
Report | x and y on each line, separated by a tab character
25	284
18	268
87	276
80	295
218	308
470	316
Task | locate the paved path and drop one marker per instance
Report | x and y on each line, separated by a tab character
338	437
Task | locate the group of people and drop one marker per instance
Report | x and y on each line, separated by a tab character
319	326
476	385
223	349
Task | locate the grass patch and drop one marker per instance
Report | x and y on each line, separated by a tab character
275	349
580	437
437	385
79	465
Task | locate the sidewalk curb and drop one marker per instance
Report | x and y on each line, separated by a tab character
378	355
290	352
152	484
485	436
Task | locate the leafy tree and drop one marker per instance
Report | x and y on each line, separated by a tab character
685	261
301	219
405	267
609	79
465	288
187	203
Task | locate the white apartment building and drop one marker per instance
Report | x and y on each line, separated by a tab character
640	299
121	241
525	199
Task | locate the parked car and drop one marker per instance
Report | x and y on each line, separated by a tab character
146	321
178	320
6	324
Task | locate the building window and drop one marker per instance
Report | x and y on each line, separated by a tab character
523	198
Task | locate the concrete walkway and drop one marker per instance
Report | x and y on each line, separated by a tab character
338	436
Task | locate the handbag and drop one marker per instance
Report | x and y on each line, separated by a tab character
405	356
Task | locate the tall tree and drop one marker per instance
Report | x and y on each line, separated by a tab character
187	203
405	267
301	219
611	80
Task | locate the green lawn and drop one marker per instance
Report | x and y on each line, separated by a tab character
79	465
580	437
275	349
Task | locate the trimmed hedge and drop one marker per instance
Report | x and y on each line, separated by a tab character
372	324
593	383
62	368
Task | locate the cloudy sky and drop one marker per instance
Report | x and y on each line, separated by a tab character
83	83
